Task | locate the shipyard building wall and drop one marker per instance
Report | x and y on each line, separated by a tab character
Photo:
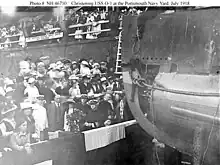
129	32
189	38
97	49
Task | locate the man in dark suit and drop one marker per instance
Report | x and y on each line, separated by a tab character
82	105
85	87
93	118
55	112
82	20
96	84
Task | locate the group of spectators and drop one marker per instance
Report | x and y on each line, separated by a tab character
61	96
92	18
11	36
25	33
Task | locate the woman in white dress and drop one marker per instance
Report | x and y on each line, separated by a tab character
74	91
96	25
90	19
31	90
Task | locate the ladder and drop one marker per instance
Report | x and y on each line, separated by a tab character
118	67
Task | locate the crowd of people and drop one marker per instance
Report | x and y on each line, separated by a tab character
61	96
78	23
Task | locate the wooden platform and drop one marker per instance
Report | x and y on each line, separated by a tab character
137	148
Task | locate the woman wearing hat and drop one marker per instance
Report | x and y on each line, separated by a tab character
95	70
86	87
31	90
84	69
7	125
20	142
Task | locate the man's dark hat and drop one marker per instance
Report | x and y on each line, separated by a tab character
19	79
97	76
66	61
85	77
27	59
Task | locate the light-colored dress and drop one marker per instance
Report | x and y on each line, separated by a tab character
74	92
66	126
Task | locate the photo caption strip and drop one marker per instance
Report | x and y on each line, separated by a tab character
108	3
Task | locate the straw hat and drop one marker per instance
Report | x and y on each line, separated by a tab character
84	63
6	110
45	58
61	74
24	64
52	66
8	81
40	97
74	62
9	89
26	105
40	64
103	63
103	79
95	64
73	77
31	80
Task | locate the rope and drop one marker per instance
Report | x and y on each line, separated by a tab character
141	81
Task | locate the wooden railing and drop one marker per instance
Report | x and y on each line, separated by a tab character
58	34
89	24
44	37
53	29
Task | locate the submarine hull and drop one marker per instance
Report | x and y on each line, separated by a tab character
181	106
187	122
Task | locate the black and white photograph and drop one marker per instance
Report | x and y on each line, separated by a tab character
109	85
